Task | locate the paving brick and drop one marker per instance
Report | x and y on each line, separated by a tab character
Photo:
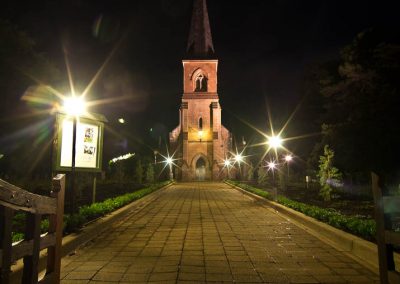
107	276
80	275
191	276
198	232
163	276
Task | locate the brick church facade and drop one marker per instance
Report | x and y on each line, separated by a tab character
200	142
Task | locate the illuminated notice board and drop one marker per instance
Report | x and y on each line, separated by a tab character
89	143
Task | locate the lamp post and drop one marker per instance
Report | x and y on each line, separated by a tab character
155	157
272	166
288	159
238	158
169	162
74	106
227	165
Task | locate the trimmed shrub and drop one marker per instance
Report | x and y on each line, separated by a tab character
365	228
88	212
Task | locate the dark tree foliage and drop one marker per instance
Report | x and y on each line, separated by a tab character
361	104
25	126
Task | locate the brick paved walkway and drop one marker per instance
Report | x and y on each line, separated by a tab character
208	232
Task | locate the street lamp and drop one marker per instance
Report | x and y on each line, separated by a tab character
121	120
288	159
227	163
74	106
169	161
275	142
200	134
238	158
272	166
155	156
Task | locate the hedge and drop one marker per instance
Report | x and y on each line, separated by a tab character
90	212
365	228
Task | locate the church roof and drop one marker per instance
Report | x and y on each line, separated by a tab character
200	43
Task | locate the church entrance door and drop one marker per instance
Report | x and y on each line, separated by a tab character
200	169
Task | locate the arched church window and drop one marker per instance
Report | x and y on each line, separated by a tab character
200	123
201	83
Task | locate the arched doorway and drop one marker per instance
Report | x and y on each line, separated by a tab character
200	169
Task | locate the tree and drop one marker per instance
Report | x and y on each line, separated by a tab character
250	172
361	99
150	173
329	176
25	122
262	176
139	172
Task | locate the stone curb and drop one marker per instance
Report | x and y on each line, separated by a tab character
364	252
91	231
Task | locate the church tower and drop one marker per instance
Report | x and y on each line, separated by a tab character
200	141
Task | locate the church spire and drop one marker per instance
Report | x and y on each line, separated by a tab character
200	41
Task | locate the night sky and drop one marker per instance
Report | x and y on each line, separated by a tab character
264	49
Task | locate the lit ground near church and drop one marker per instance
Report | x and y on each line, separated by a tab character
209	232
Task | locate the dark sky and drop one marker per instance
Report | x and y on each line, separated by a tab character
263	47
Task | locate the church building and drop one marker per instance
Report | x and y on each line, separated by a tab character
200	142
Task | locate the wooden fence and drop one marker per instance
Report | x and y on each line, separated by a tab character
386	208
14	199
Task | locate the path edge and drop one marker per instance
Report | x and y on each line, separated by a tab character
362	251
94	228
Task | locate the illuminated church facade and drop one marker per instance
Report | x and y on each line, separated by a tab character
200	142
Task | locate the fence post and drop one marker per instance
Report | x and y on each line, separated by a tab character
56	227
385	258
31	262
6	216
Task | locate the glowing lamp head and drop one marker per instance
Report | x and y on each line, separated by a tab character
227	163
238	158
121	120
74	106
168	160
275	142
271	165
201	133
288	158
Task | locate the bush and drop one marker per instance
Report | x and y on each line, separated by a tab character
365	228
252	189
87	213
96	210
150	173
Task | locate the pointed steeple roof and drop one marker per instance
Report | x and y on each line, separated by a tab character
200	43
